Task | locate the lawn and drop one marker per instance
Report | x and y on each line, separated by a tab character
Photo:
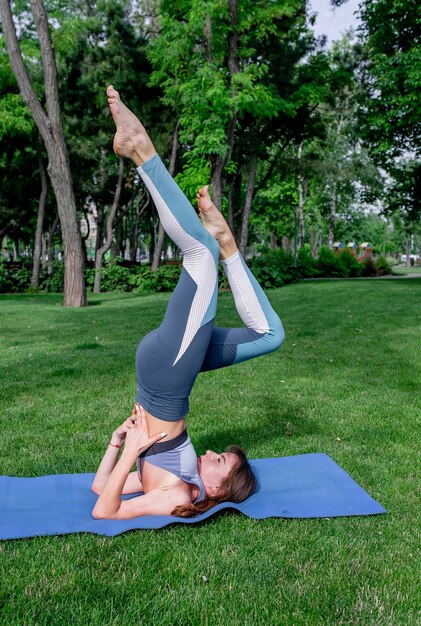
345	382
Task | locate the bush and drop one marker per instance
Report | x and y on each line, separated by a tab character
383	266
14	281
273	268
306	263
164	279
54	282
369	267
330	265
349	261
114	277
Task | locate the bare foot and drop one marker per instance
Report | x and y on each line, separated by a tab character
215	223
131	139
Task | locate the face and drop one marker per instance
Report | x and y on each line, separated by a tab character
214	467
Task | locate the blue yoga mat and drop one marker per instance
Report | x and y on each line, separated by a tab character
304	486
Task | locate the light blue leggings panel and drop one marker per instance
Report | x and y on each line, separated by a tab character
234	345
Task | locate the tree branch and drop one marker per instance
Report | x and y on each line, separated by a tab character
25	85
48	61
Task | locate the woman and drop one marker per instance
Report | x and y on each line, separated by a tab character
173	479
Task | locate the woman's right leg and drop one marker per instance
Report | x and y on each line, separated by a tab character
169	359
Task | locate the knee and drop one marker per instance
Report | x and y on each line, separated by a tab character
276	334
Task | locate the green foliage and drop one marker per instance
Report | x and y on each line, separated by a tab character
350	263
306	263
53	282
391	111
273	268
329	264
137	278
14	280
114	277
164	279
383	266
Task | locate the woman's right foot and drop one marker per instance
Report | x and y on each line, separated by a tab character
131	139
215	223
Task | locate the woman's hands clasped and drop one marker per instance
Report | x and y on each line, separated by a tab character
134	432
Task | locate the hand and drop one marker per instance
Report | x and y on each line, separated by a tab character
119	434
137	437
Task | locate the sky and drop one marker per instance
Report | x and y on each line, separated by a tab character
334	22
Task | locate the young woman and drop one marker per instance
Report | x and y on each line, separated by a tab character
174	481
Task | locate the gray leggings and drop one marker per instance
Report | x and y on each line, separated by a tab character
187	342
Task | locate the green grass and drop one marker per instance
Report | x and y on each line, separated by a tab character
346	382
401	270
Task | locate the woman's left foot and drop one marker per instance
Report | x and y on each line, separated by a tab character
212	219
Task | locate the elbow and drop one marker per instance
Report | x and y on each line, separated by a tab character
101	512
96	514
96	489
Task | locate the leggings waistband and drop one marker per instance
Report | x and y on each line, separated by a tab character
165	446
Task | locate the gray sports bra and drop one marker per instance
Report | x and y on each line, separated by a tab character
176	456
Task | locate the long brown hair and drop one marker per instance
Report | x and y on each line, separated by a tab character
236	487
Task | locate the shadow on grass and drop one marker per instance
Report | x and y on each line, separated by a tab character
278	422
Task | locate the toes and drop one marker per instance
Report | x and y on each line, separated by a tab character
111	92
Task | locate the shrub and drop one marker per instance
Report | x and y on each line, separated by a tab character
273	268
330	264
143	280
383	267
369	267
306	263
14	281
53	282
349	261
114	277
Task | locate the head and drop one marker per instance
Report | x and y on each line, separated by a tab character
226	476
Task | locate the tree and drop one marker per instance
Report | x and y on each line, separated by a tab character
50	128
226	71
403	198
391	112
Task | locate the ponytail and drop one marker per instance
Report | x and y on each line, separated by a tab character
236	487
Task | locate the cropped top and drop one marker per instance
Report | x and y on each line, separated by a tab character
176	456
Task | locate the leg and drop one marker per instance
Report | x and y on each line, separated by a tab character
263	331
169	359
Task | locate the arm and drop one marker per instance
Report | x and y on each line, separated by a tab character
109	460
109	502
156	502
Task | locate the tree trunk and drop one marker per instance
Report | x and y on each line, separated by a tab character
217	162
408	250
107	245
272	240
40	222
135	235
247	204
332	216
286	244
44	251
301	199
50	128
161	232
99	227
50	245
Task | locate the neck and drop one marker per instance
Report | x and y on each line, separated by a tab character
194	492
